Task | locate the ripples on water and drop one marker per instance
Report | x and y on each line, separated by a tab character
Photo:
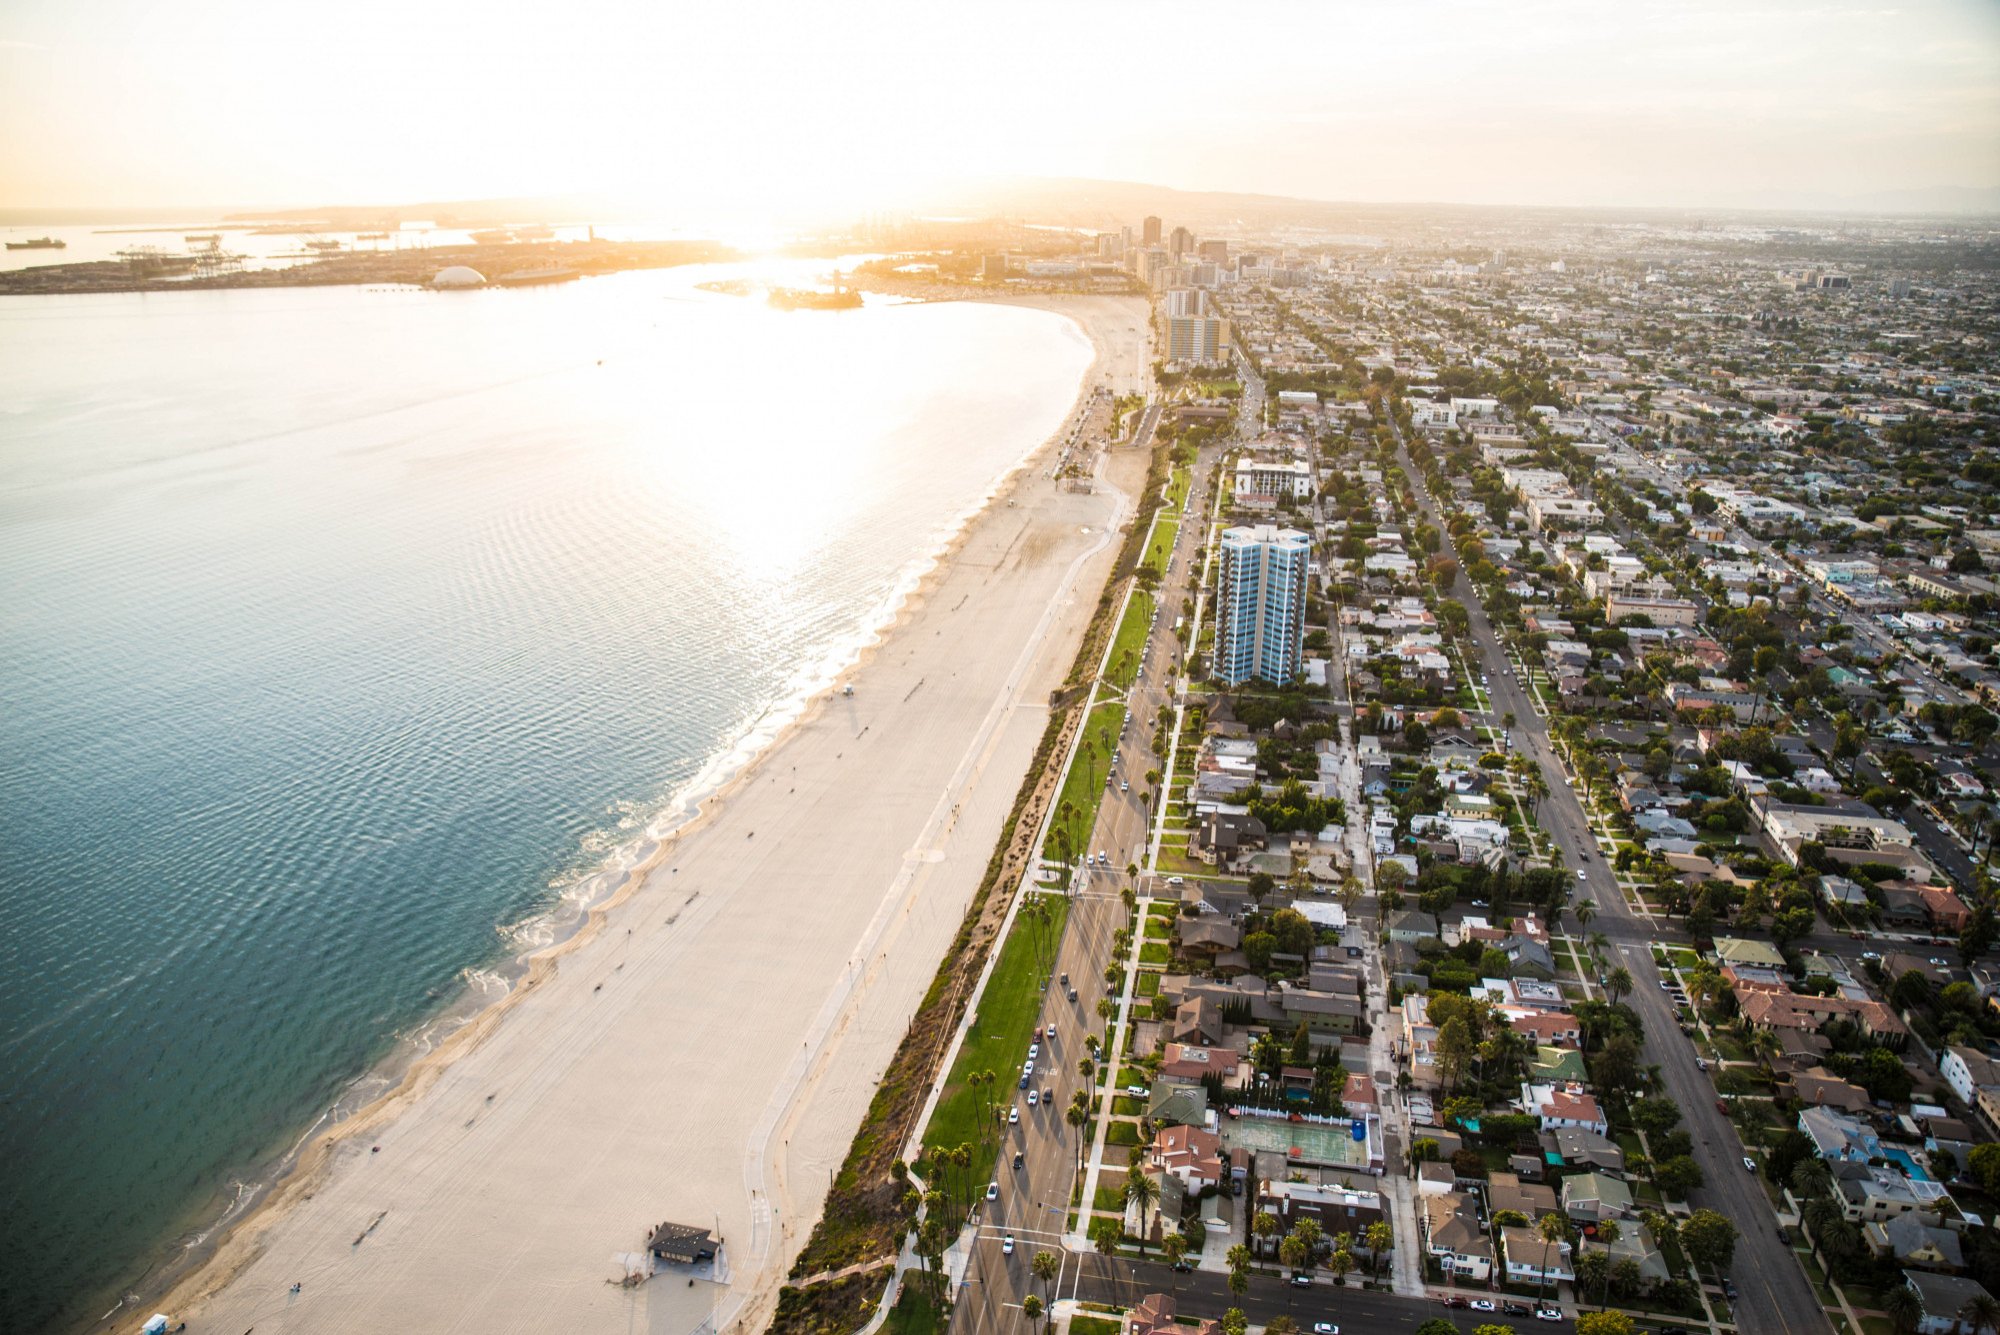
340	629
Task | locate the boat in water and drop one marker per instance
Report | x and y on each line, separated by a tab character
204	239
324	247
38	243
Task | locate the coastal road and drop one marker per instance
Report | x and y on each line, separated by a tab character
1772	1290
1034	1200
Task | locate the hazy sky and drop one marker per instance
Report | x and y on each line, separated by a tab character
124	102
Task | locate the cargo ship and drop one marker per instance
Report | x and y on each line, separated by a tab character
38	243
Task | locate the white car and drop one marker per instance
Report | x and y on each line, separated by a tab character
1325	1328
1007	1245
1749	1164
1034	1096
992	1191
1483	1305
1034	1051
1013	1116
1548	1314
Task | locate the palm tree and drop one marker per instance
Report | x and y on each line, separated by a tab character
1031	1308
1078	1116
1380	1237
1264	1227
1144	1192
1238	1257
1618	983
1903	1308
1045	1267
1292	1253
1982	1311
1555	1231
1311	1235
1085	1068
1608	1232
1584	911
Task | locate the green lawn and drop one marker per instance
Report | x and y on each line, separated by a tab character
1160	546
1148	985
1177	486
1124	1105
1093	1325
1122	1133
914	1312
1154	952
1158	929
997	1041
1131	638
1083	786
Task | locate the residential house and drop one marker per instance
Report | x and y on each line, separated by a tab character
1573	1147
1453	1237
1909	1241
1190	1154
1563	1106
1941	1298
1870	1193
1838	1137
1534	1260
1506	1191
1588	1197
1974	1078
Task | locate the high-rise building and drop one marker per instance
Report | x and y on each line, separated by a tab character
1260	605
1179	243
1215	251
1202	339
1149	232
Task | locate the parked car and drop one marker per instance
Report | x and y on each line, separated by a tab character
1301	1280
1013	1116
1325	1328
1548	1314
1515	1309
1136	1091
992	1191
1482	1305
1749	1164
1020	1159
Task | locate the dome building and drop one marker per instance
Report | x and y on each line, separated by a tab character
458	276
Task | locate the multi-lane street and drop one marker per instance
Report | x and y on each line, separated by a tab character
1772	1290
1033	1200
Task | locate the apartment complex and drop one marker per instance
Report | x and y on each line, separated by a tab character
1261	604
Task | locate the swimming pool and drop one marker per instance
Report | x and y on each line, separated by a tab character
1908	1164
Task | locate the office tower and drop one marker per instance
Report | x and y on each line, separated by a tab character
1180	243
1149	232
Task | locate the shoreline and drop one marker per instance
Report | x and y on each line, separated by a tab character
233	1245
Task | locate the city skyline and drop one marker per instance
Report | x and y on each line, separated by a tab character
770	112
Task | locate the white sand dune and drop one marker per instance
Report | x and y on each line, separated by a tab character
706	1052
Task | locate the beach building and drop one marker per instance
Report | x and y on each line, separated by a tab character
1261	604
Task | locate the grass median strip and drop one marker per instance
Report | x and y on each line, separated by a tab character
1129	644
1083	786
998	1039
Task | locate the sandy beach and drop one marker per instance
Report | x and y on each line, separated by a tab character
704	1052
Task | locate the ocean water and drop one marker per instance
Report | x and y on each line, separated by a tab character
345	633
